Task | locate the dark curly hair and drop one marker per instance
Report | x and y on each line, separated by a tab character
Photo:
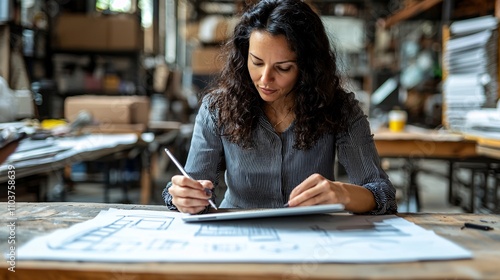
321	105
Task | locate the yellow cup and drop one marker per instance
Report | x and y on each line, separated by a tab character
397	120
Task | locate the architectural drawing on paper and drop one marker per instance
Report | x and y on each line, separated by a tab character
280	247
357	230
224	247
254	233
139	235
98	238
168	245
106	238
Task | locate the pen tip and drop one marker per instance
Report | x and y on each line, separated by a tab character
213	204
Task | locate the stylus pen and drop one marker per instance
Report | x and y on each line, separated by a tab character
475	226
208	191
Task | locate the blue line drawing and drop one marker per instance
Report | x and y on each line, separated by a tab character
254	232
99	238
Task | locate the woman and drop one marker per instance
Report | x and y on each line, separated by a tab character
275	119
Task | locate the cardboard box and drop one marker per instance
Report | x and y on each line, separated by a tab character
124	33
191	31
149	45
80	32
109	109
206	61
97	33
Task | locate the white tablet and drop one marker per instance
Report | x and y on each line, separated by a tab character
264	213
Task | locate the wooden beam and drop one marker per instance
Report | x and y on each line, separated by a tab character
409	12
5	52
446	37
497	15
497	9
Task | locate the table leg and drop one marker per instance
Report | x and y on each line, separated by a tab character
413	192
145	178
451	197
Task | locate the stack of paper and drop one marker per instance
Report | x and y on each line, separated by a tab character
471	60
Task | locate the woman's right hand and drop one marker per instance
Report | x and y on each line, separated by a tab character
188	195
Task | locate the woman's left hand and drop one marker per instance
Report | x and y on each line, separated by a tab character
316	189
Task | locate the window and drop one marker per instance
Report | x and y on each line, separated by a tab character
116	6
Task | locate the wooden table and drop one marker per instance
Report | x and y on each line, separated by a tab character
98	148
416	143
424	143
67	151
73	149
35	219
488	144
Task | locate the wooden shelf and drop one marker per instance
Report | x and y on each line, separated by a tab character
409	12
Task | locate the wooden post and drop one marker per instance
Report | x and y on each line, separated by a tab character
497	9
446	37
4	52
497	15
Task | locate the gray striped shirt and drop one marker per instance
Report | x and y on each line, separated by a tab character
263	177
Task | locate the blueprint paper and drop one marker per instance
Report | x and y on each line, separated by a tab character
161	236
